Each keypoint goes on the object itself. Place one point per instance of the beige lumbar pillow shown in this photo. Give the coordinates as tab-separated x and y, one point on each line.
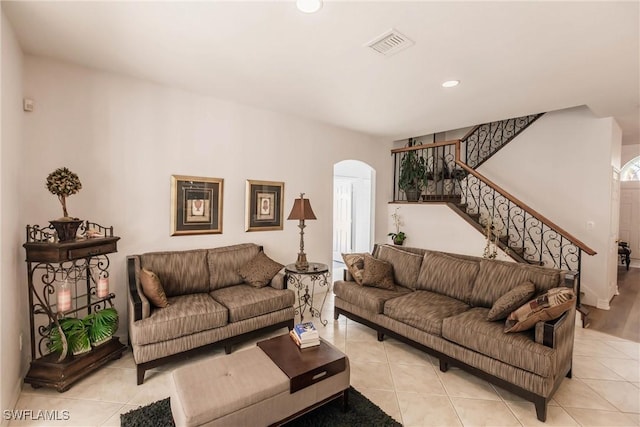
511	300
260	270
355	265
152	288
547	306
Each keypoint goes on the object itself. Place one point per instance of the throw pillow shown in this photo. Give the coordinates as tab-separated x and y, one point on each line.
152	288
355	265
511	300
260	270
377	273
547	306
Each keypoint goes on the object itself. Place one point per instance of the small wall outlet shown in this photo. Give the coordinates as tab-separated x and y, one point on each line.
27	104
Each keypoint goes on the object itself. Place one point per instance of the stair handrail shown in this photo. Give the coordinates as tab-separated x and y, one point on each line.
574	240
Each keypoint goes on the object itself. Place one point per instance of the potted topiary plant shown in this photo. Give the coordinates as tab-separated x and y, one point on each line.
413	172
64	183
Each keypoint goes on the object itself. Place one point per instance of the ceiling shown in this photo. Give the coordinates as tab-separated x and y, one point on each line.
512	58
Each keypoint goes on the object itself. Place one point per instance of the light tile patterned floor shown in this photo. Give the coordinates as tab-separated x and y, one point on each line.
405	383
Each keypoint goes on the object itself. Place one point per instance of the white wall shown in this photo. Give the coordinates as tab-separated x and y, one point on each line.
125	137
562	167
437	227
13	290
629	152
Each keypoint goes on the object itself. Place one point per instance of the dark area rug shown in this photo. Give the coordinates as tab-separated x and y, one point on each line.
362	412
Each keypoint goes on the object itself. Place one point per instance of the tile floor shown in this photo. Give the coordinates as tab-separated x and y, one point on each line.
407	384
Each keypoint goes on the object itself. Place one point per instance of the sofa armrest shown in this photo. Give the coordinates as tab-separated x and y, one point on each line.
139	306
279	281
552	333
571	280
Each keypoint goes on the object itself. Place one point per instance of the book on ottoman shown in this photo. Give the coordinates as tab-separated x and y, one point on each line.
305	335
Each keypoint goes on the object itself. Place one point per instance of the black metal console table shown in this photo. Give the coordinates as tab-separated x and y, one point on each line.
316	275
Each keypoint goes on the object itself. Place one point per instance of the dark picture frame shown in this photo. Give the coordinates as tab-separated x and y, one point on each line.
264	205
196	205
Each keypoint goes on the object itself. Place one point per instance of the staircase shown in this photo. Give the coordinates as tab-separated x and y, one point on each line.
451	177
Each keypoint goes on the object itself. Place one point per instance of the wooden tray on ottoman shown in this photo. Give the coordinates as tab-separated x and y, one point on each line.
304	367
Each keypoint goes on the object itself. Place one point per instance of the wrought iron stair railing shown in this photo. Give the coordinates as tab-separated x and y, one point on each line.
484	140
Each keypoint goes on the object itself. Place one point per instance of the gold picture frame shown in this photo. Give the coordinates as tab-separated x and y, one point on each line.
264	205
196	205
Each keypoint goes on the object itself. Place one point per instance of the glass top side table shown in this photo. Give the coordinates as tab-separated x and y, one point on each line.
304	282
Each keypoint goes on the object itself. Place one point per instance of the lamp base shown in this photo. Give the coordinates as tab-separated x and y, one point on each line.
301	263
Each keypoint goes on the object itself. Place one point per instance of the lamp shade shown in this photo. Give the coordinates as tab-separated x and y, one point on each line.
301	209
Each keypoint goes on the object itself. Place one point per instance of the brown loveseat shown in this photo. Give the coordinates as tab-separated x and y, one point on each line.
440	305
209	303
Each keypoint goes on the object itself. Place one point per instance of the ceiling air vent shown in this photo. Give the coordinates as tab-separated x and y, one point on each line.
390	42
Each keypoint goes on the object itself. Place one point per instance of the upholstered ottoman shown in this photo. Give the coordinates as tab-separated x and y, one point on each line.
245	388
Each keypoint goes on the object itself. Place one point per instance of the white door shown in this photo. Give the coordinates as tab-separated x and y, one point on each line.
630	216
342	207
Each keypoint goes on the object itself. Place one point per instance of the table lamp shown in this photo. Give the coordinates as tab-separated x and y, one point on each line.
301	211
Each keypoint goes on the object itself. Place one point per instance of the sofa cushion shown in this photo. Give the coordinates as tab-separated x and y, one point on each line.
496	278
185	315
245	301
225	262
260	270
424	310
447	275
406	265
511	300
180	272
472	330
377	273
547	306
152	288
355	266
370	299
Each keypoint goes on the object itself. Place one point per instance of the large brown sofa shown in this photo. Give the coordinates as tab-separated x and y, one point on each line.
440	305
209	303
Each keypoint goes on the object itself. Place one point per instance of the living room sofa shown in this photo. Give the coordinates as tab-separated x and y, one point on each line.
209	303
440	304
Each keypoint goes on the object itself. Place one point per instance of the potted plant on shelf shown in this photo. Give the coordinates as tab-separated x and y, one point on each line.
64	183
79	335
398	237
413	172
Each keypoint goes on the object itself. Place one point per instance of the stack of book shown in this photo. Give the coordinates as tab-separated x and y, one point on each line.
305	335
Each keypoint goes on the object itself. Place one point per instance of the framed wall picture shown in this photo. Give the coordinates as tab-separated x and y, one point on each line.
264	205
196	205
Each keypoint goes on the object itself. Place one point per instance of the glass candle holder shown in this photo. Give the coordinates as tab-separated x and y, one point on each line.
63	297
102	287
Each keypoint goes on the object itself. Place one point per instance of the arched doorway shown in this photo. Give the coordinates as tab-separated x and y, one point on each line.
353	202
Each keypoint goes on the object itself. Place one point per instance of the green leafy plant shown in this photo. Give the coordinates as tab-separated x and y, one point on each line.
75	333
101	325
63	183
80	334
413	173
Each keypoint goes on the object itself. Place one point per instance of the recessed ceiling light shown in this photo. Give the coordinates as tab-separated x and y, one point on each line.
309	6
451	83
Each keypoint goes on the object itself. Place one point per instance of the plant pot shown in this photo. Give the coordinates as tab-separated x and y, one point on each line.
398	242
412	194
66	228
